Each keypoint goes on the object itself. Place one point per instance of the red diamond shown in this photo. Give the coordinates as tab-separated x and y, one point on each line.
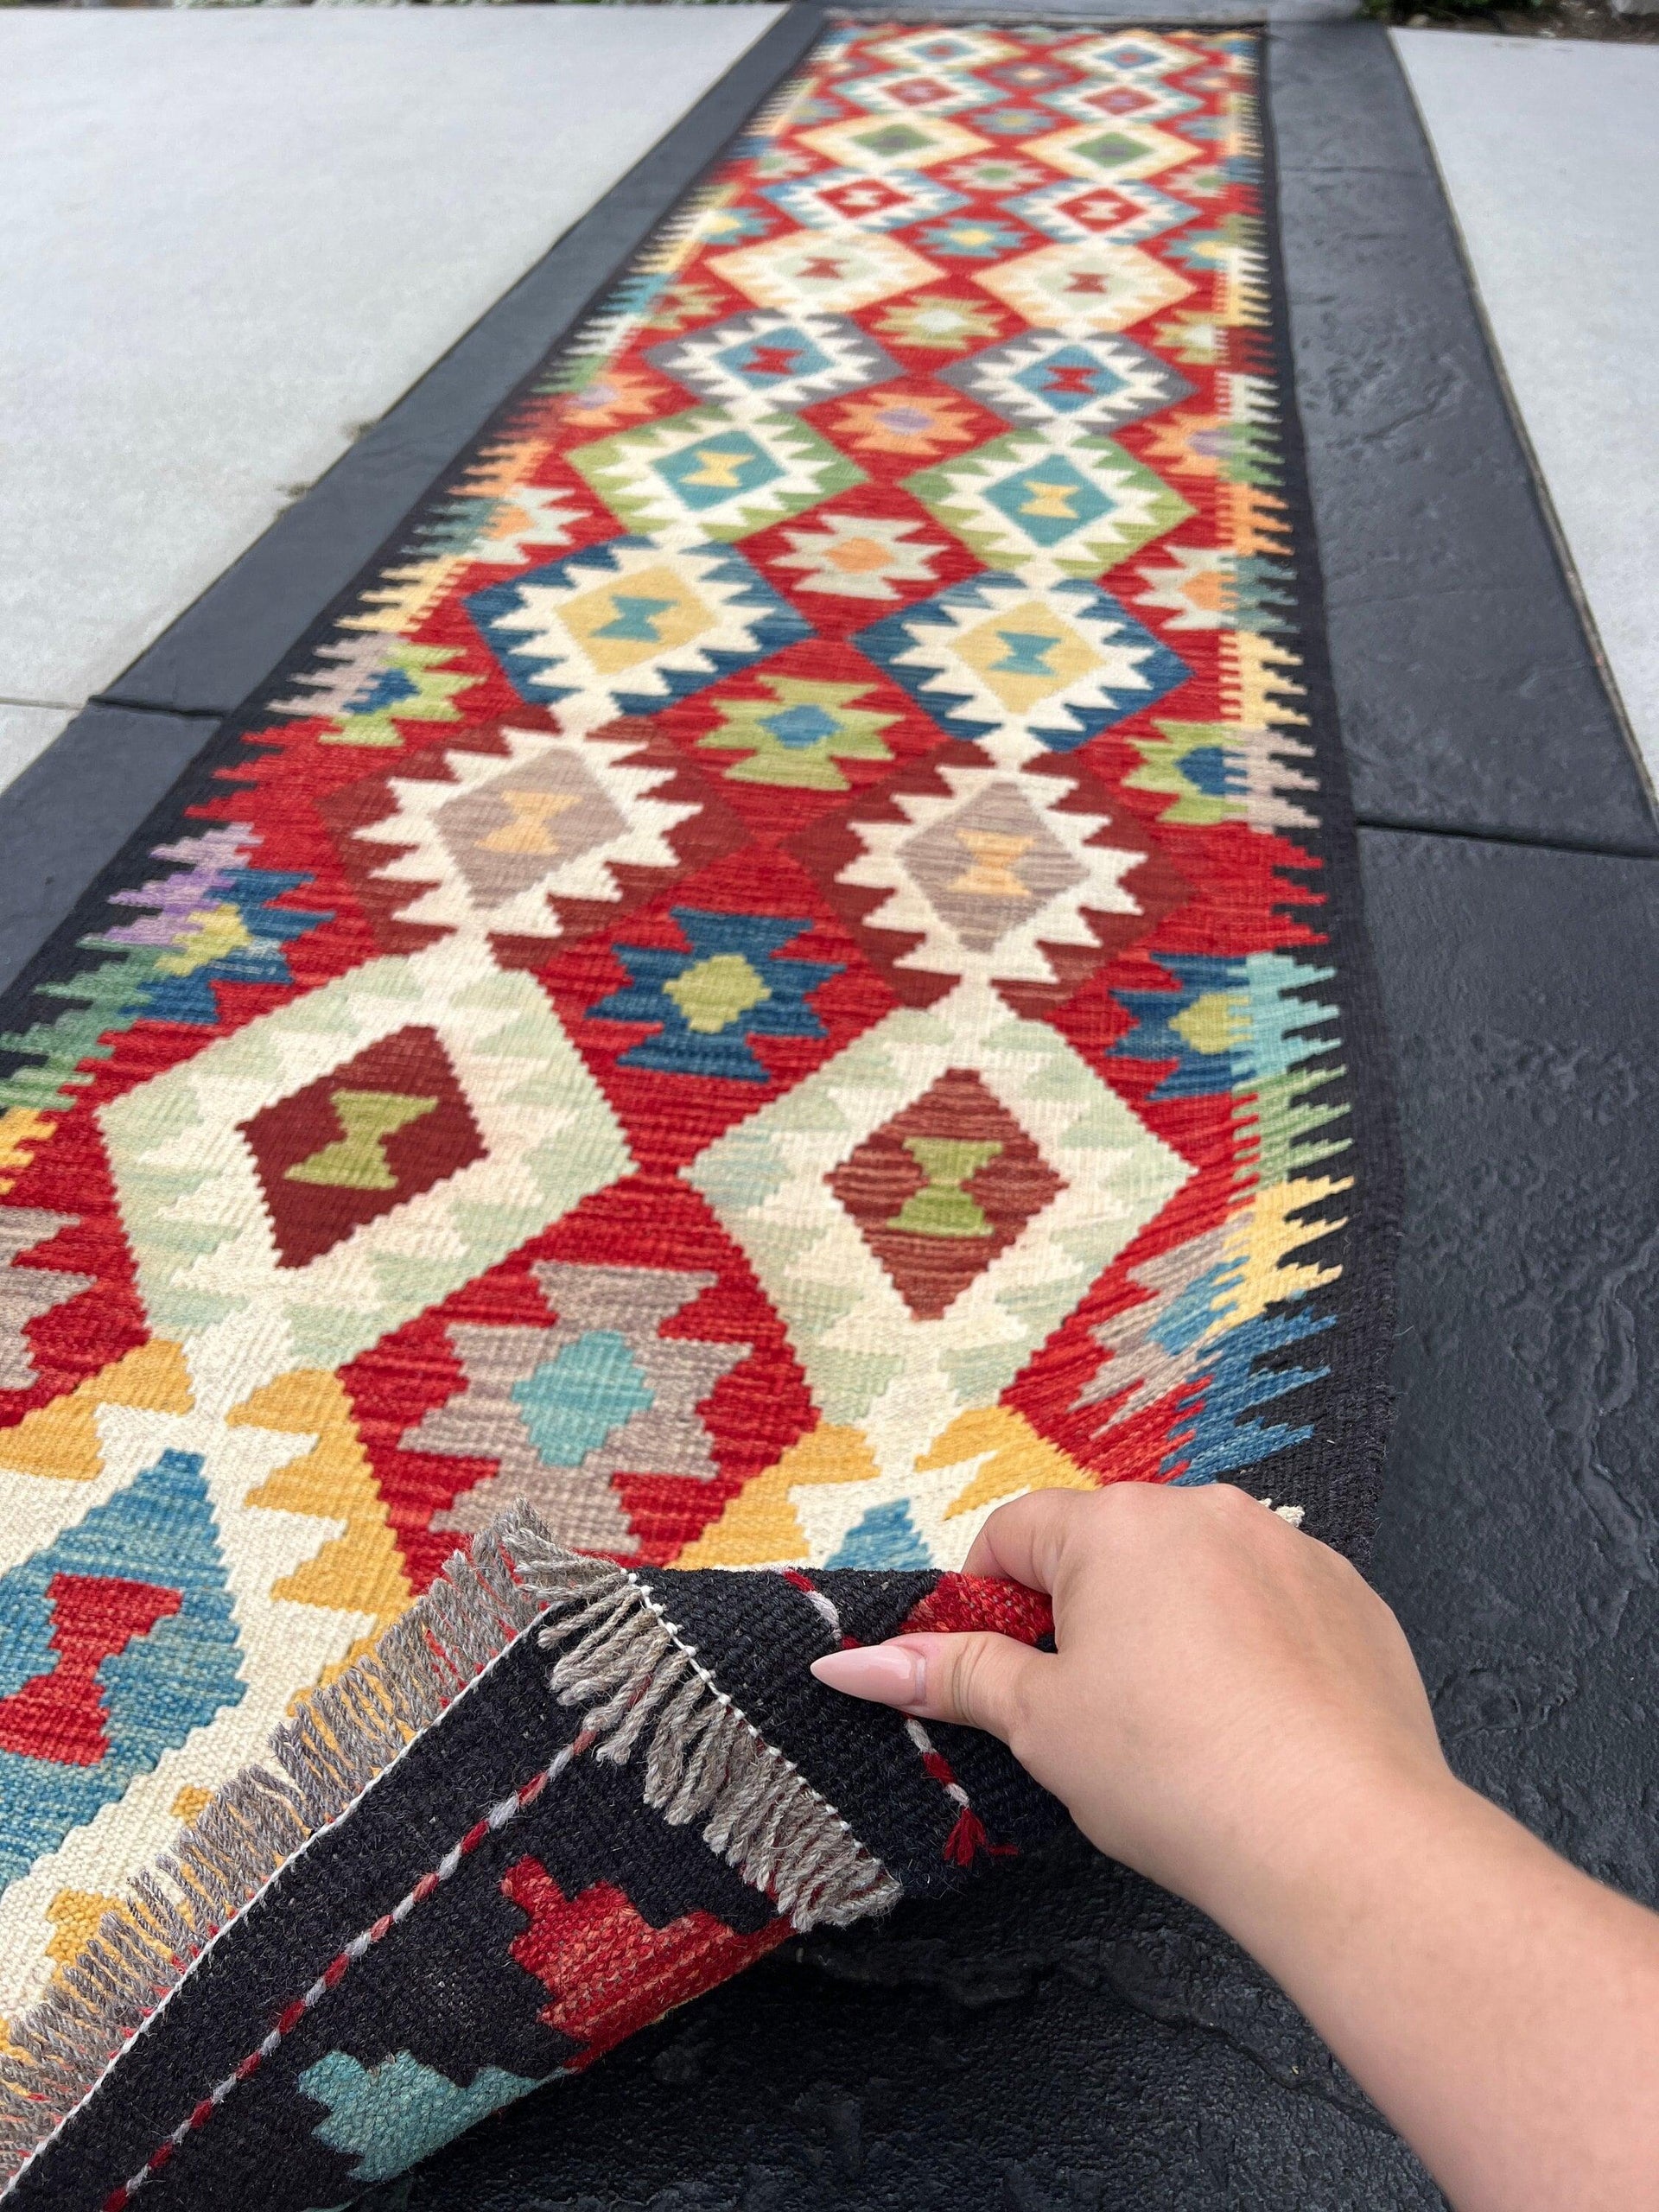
369	1136
943	1188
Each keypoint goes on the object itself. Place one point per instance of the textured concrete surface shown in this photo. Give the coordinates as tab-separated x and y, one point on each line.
1569	131
1471	697
25	731
235	236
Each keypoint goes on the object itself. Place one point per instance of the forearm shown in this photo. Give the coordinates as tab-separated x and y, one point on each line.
1500	2007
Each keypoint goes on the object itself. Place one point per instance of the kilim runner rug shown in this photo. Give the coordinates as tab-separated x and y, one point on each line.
787	967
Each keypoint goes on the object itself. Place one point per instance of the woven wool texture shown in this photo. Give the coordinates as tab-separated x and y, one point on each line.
786	968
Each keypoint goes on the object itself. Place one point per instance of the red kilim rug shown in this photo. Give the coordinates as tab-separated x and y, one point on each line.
786	968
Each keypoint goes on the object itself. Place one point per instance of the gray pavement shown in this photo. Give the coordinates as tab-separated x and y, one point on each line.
1549	151
233	239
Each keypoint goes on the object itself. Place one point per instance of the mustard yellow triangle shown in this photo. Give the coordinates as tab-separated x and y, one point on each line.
21	1130
360	1571
75	1915
760	1527
60	1441
1014	1459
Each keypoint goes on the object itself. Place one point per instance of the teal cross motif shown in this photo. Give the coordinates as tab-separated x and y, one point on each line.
1028	654
636	619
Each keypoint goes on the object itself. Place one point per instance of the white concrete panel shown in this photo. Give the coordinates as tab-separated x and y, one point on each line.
1550	153
231	237
25	731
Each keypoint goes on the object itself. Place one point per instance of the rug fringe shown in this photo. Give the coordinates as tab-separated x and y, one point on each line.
646	1692
315	1766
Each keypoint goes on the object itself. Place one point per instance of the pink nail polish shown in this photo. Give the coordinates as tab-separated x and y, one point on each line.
886	1674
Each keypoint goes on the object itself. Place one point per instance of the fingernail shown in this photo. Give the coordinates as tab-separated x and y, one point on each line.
886	1674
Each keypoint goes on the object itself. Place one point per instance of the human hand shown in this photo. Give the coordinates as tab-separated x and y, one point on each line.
1220	1682
1232	1712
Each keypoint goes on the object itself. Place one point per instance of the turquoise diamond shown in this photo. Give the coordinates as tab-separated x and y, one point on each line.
710	471
1049	500
581	1396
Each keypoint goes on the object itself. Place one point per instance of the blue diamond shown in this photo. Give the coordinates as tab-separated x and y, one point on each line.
800	727
1069	379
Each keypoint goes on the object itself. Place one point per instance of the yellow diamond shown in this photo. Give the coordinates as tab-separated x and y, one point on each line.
620	625
1025	654
717	992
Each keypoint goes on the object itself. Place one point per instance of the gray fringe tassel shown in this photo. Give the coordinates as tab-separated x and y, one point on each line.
316	1765
644	1691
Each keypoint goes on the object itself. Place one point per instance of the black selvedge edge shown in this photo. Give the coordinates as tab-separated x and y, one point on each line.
858	1756
1336	1474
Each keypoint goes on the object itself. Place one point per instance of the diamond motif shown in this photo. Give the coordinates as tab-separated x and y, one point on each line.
908	91
870	1357
906	420
555	821
1099	384
805	270
883	143
989	871
1145	102
943	1188
629	627
762	361
1136	55
795	738
117	1640
858	556
704	1004
859	197
706	475
965	48
993	660
373	1133
1131	213
192	1187
562	1410
1112	152
1049	503
1082	288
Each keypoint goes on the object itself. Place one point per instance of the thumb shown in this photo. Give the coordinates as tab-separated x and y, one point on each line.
980	1681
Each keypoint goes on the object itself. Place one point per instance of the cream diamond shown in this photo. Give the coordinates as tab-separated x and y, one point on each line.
869	1358
892	142
1078	289
987	873
947	45
1110	152
210	1272
832	271
484	852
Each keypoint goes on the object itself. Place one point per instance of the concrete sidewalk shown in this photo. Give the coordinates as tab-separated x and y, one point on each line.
233	239
1549	153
